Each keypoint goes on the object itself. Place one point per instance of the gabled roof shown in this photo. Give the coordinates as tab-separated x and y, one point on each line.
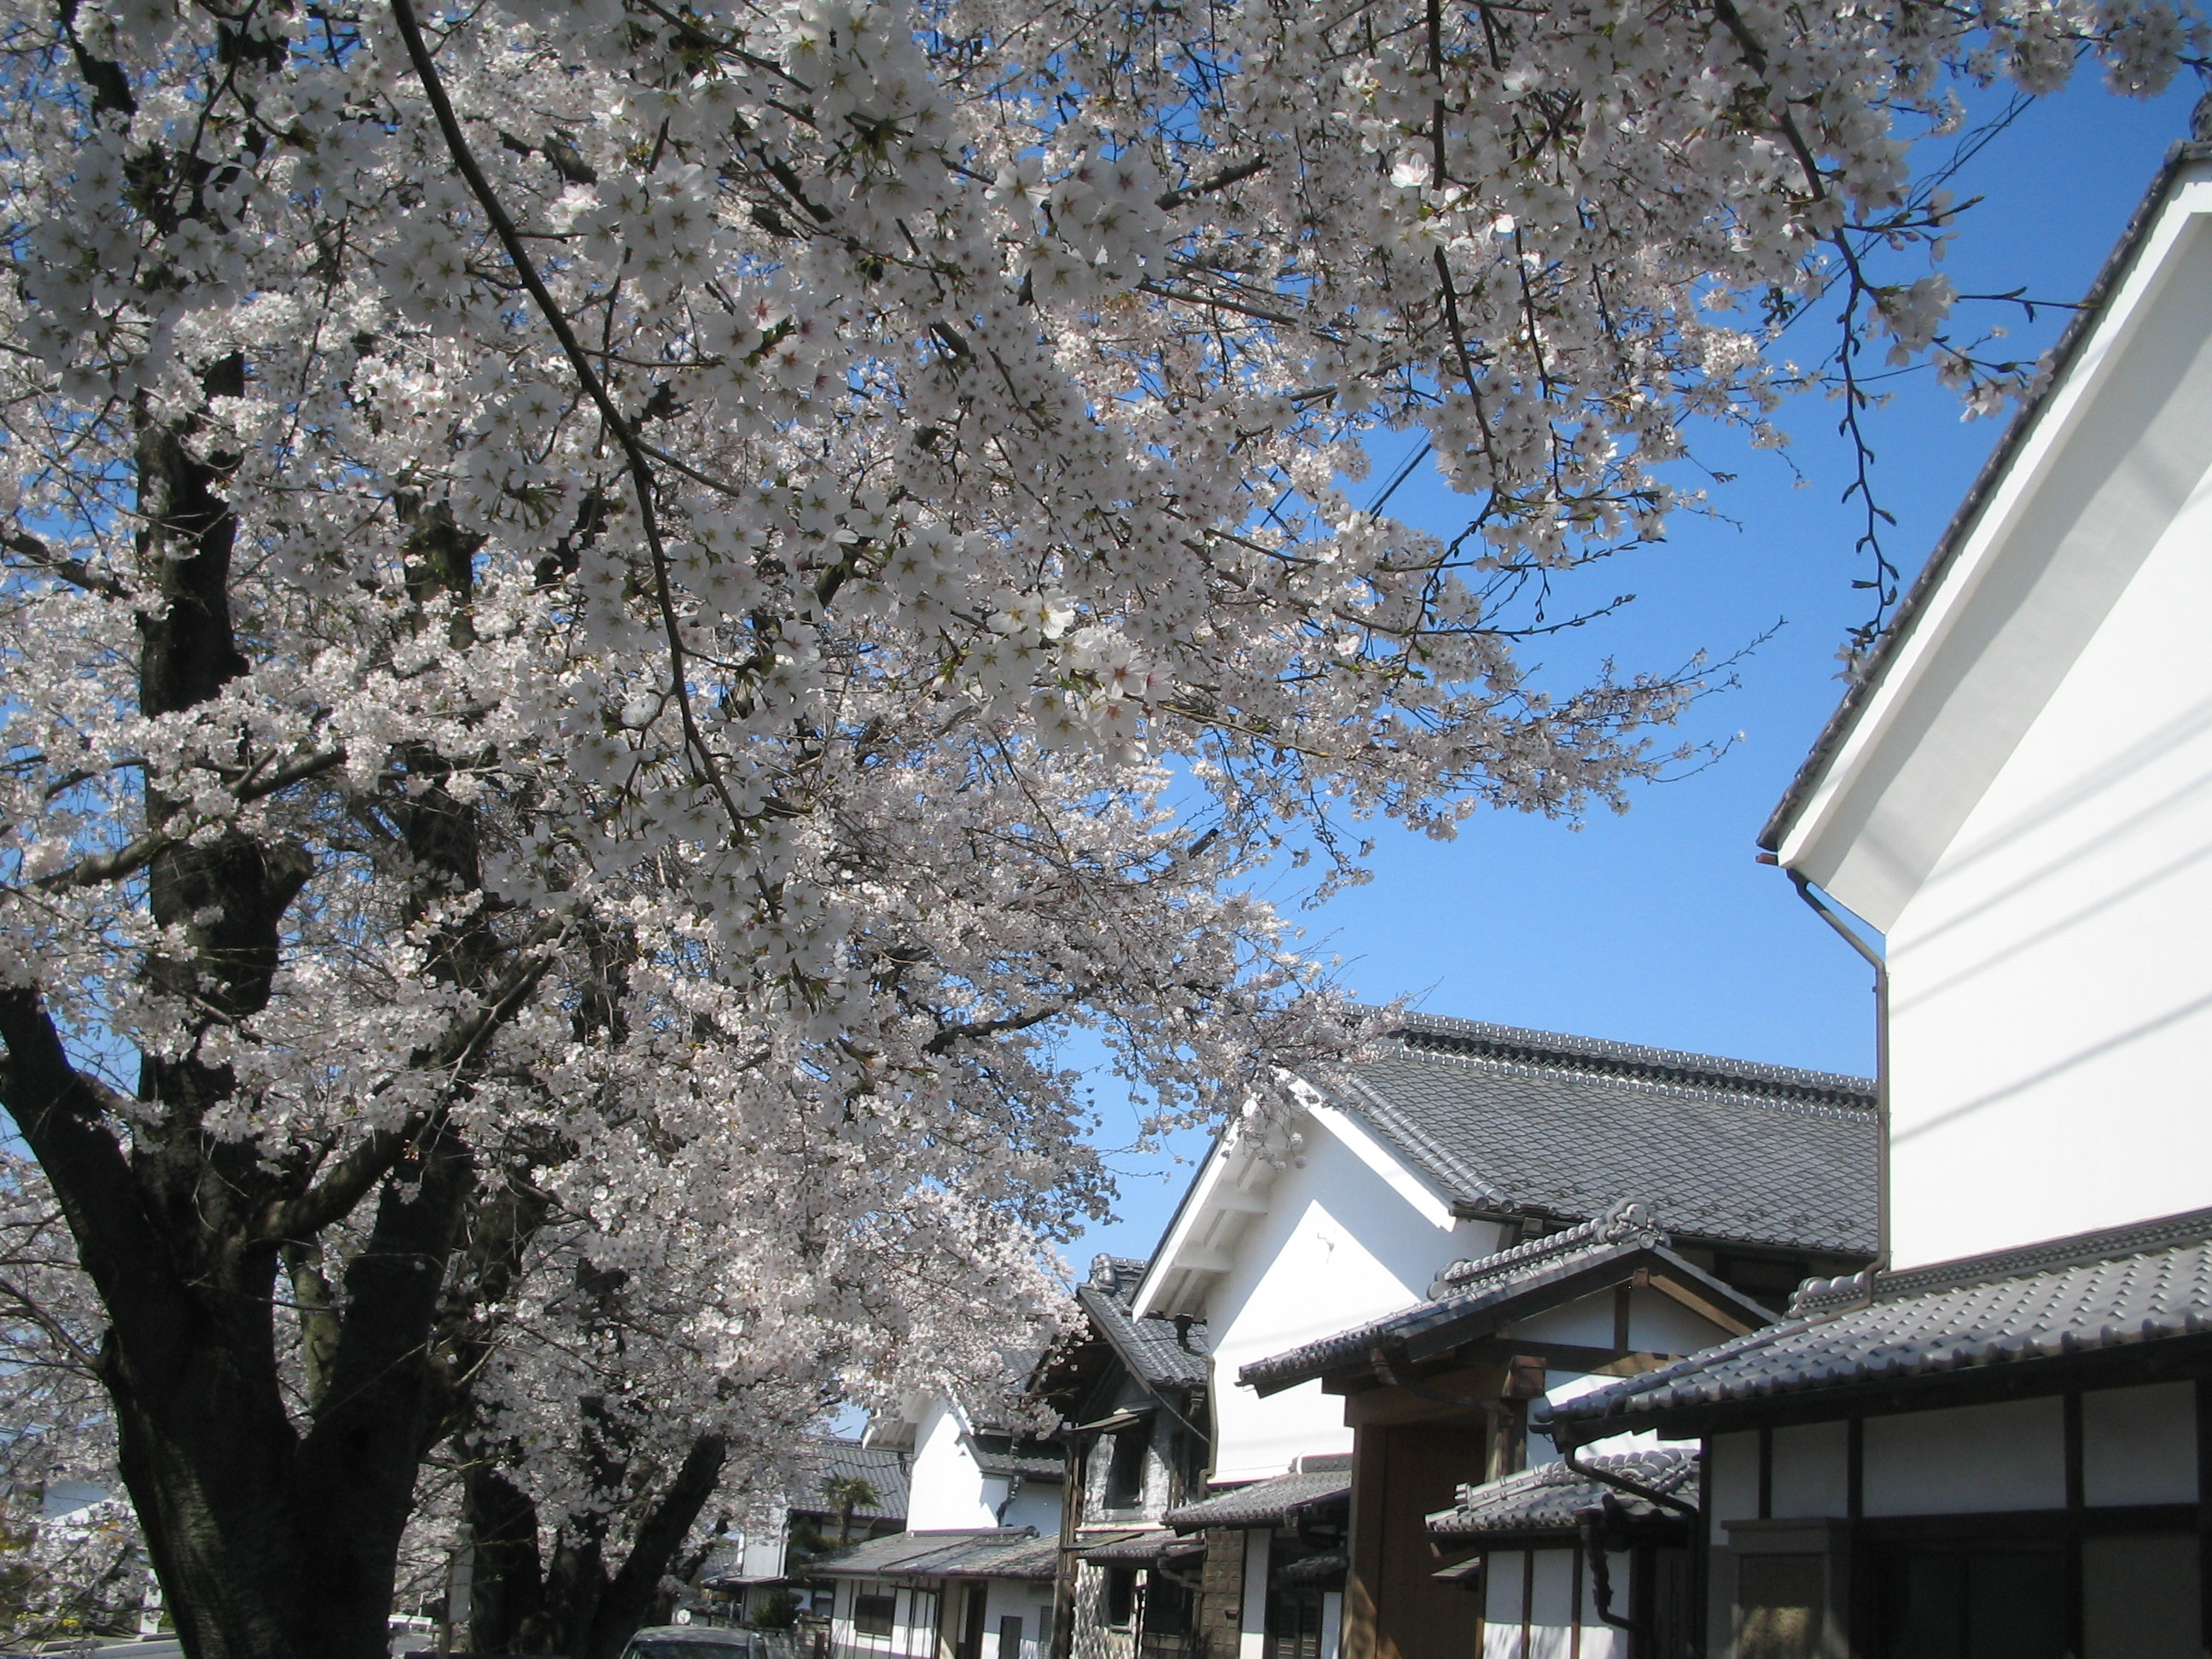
1153	1349
2064	355
2066	1298
1266	1502
1548	1498
884	1467
1472	1298
1506	1121
995	1552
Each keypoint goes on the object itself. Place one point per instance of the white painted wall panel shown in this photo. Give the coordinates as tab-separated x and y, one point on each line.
1659	1324
1587	1323
2139	1445
1551	1605
1974	1459
1339	1244
1812	1471
947	1490
1732	1475
1501	1607
2051	998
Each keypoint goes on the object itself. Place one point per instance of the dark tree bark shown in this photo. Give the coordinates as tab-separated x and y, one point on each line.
274	1539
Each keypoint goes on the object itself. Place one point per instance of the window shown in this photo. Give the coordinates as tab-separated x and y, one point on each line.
873	1615
1010	1637
1125	1470
1167	1606
1974	1604
1119	1597
1294	1622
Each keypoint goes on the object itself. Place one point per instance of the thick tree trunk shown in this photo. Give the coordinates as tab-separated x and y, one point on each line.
273	1538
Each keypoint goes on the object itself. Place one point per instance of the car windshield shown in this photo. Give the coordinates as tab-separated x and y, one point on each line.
678	1647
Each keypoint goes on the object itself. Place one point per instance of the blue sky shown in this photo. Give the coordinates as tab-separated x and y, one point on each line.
1658	927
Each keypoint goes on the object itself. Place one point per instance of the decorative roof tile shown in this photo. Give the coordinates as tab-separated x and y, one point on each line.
1548	1498
1510	1122
1265	1503
2111	1288
1475	1297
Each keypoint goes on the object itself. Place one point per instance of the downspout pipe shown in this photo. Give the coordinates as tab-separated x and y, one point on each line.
1830	911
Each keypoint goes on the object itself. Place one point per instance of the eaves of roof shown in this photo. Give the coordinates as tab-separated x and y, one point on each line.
1265	1503
2119	1296
1544	1504
1494	1290
997	1552
1916	598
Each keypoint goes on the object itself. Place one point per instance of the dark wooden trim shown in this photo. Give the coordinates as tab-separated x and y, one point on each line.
1855	1468
2070	1420
1527	1594
1766	1475
2204	1509
2030	1525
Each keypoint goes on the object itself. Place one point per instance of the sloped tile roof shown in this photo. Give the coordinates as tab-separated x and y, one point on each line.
1547	1499
1506	1121
1473	1297
1142	1549
2113	1288
1150	1347
884	1467
1264	1503
1029	1466
1002	1553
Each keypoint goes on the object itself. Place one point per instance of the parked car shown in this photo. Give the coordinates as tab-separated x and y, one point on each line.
702	1641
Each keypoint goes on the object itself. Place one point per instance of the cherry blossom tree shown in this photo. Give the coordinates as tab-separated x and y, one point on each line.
615	610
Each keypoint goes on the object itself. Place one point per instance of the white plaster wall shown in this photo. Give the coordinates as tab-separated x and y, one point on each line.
947	1490
2139	1445
1551	1605
1732	1481
1339	1244
1973	1459
1332	1622
1036	1504
2050	995
1812	1474
1502	1589
1252	1630
1023	1599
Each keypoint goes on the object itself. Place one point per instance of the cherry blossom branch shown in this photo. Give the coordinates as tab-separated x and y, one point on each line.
641	468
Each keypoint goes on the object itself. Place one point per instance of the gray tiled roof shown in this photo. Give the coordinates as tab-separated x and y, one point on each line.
1547	1499
884	1467
1150	1347
2116	1287
1507	1121
1002	1553
1473	1298
1141	1549
1029	1466
1264	1503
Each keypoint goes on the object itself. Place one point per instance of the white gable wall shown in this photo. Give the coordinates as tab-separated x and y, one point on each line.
947	1491
2050	982
2024	806
1349	1234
